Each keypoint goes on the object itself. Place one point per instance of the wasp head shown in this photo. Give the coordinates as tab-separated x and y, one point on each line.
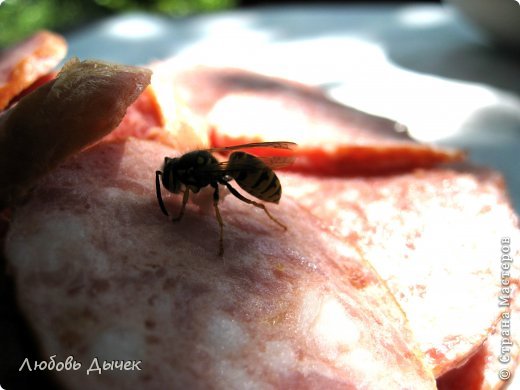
170	178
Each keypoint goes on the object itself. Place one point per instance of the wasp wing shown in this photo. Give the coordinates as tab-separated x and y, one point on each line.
273	162
276	144
224	167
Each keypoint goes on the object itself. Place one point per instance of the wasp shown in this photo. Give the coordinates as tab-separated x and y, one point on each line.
200	168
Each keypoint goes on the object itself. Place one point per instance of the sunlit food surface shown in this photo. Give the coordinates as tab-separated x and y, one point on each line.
416	64
480	99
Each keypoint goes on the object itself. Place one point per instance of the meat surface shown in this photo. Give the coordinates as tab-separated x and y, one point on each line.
490	367
84	103
333	139
111	278
28	61
434	236
143	120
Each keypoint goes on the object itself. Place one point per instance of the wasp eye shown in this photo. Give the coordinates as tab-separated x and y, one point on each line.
169	163
170	180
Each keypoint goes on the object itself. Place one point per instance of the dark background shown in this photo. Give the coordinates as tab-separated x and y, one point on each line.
245	3
24	17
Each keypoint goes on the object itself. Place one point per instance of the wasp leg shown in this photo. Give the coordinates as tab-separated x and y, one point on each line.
184	201
219	219
158	191
249	201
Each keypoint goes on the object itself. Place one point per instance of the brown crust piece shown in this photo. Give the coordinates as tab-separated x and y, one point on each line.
84	103
26	62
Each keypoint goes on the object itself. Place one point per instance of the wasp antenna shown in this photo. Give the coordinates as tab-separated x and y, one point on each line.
158	191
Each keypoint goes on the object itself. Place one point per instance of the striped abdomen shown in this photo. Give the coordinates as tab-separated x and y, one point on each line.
254	177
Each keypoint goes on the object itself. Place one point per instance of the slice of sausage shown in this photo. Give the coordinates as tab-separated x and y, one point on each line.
333	139
27	62
143	119
102	273
434	236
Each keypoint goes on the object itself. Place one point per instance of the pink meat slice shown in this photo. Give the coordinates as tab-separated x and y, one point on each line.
27	62
333	139
143	119
101	273
434	236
